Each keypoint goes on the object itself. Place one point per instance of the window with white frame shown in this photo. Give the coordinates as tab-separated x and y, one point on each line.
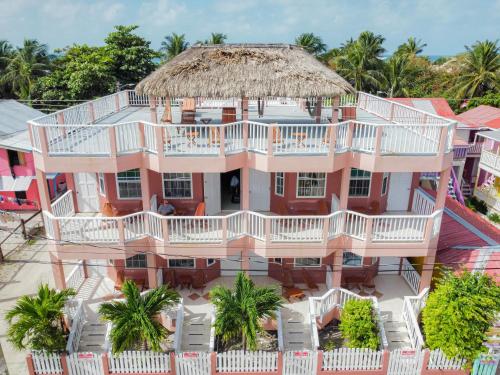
307	262
181	263
359	185
352	260
210	262
385	183
311	185
279	183
129	184
137	261
102	185
177	185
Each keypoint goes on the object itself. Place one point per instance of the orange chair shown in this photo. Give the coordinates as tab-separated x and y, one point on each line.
200	209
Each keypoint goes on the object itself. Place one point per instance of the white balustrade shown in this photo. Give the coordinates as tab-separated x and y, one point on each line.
194	229
398	228
355	225
336	224
296	228
490	160
82	140
179	324
235	225
411	275
363	137
63	206
128	137
247	361
80	229
139	362
76	328
193	139
301	138
150	137
256	225
134	226
352	359
155	226
422	204
411	310
76	277
233	135
257	136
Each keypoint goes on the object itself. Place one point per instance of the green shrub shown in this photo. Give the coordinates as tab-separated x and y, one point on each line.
476	205
494	217
459	312
358	324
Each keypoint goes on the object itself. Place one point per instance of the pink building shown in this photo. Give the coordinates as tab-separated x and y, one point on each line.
324	189
18	188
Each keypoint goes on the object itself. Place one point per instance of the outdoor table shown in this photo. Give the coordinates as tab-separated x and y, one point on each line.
294	294
300	138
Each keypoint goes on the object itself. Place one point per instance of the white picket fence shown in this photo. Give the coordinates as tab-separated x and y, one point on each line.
47	363
139	362
241	361
300	362
193	363
345	359
405	362
439	361
85	363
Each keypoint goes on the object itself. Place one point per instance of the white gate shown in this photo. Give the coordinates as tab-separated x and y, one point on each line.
399	191
405	362
211	193
192	363
86	192
260	190
300	363
85	364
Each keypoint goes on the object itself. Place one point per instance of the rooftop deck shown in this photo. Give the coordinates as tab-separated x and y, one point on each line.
121	127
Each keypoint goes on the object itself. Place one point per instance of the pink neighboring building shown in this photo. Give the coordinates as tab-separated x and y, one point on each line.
18	188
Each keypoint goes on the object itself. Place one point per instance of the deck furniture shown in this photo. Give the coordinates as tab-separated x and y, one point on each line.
200	209
359	275
307	207
308	280
293	294
300	138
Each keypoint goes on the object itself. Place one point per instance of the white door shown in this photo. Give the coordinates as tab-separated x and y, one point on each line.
230	266
86	192
389	265
399	191
211	188
335	203
258	264
260	190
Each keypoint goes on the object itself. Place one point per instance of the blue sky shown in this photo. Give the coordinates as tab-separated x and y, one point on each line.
445	25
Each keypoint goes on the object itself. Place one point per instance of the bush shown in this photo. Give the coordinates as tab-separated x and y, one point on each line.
358	325
494	217
459	312
477	205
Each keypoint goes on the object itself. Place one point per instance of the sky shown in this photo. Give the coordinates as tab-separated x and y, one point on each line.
445	25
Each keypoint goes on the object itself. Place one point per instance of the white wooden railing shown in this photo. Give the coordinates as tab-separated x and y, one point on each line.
179	323
63	206
76	277
491	160
422	204
247	361
439	361
347	359
47	363
77	324
411	275
219	229
279	329
211	342
411	310
139	362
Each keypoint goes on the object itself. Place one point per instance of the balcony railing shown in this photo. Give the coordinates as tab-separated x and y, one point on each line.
491	160
73	132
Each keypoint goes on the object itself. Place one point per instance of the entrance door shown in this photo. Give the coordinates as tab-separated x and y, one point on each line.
399	191
258	264
260	190
86	192
211	188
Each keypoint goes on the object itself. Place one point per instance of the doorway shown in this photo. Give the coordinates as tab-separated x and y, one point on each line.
230	183
399	191
86	192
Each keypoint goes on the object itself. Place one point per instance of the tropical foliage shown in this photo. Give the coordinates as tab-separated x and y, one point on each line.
459	312
173	45
358	324
37	323
134	320
215	38
239	311
311	43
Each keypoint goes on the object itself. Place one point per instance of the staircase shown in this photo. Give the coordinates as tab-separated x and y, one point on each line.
397	334
196	331
466	189
93	338
296	327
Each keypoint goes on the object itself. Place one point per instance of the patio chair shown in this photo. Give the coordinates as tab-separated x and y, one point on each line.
308	280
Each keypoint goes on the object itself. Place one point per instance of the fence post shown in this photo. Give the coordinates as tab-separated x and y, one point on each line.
319	365
213	363
425	361
105	363
385	361
64	364
280	364
172	364
30	365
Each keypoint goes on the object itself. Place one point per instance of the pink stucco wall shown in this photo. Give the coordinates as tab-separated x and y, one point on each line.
20	170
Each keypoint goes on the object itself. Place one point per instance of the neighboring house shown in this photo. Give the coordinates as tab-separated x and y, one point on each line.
18	188
488	182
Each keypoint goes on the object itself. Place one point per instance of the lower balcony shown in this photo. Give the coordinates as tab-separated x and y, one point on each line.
268	234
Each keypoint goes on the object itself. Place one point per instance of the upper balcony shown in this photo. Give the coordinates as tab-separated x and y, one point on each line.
270	235
115	133
490	153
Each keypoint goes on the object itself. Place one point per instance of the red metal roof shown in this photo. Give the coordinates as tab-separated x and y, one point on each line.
440	105
480	117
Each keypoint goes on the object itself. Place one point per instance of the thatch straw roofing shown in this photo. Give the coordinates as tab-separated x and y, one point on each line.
236	70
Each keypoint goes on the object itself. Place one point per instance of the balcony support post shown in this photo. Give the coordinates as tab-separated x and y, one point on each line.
443	140
349	135
165	231
427	270
152	270
317	109
335	109
267	231
245	188
270	138
112	142
244	118
91	112
146	189
117	102
326	227
44	144
159	142
121	232
58	272
43	189
369	230
338	257
378	140
332	141
224	231
222	140
344	188
142	136
152	109
442	190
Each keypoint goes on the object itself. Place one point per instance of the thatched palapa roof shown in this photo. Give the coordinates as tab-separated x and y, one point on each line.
237	70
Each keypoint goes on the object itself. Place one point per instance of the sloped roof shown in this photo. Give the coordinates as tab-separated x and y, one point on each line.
483	116
236	70
13	124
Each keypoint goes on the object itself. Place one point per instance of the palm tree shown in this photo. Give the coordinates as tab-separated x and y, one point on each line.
311	43
412	46
398	76
6	51
134	320
215	38
480	72
24	66
37	323
173	45
239	311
